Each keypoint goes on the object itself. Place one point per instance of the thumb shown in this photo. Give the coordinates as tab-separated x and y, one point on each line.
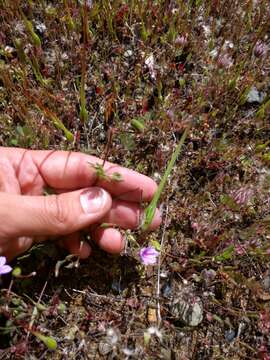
52	215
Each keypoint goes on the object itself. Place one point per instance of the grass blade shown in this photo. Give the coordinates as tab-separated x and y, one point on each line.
151	208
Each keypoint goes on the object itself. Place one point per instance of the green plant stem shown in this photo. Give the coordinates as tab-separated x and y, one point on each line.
151	208
56	121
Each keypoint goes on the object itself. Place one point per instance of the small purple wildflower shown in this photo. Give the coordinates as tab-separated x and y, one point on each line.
170	114
260	49
240	249
181	40
264	322
4	269
225	60
149	255
208	276
243	195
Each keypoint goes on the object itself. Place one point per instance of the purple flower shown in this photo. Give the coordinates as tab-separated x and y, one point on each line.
148	255
242	195
225	60
181	40
4	269
260	49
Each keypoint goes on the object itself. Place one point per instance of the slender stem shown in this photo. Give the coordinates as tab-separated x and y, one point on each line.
151	208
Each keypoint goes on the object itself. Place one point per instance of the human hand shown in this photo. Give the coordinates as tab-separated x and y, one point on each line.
81	201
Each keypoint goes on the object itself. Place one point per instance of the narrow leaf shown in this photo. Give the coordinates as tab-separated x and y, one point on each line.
151	208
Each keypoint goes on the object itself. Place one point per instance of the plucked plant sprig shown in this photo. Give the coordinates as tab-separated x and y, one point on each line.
101	174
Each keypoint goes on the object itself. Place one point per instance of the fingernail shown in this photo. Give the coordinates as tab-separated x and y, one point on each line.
93	200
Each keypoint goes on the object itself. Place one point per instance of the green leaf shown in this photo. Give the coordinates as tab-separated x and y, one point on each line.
243	97
116	177
49	341
61	308
156	245
144	33
83	114
100	172
226	255
228	201
146	338
105	225
266	157
16	271
217	318
138	124
151	208
59	125
261	111
261	147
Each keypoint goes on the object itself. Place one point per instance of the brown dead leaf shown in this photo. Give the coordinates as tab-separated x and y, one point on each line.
257	291
152	315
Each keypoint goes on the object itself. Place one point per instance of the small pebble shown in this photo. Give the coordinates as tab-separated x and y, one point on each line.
166	290
188	308
229	335
104	348
255	96
266	283
128	53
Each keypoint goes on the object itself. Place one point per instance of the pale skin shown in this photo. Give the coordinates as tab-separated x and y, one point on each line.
27	216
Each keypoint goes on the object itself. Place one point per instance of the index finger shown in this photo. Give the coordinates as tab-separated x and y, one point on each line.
73	170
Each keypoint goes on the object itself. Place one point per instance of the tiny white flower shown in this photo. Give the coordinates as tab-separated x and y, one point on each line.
228	44
153	330
128	53
112	336
213	53
150	63
207	30
41	27
128	352
89	3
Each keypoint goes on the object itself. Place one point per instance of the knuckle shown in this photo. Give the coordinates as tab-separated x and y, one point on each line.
56	213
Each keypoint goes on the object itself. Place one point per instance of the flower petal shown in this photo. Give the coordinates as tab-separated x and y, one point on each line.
5	269
149	255
149	260
3	260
